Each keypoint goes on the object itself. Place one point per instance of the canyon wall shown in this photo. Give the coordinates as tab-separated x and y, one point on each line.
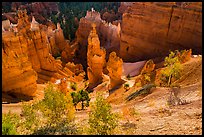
18	76
151	29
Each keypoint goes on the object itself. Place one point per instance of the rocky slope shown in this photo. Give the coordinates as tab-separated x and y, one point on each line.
151	29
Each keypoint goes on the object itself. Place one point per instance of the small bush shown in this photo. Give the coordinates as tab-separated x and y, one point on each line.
138	84
84	97
73	86
172	70
52	115
30	118
9	123
75	98
101	120
80	96
126	87
128	76
147	78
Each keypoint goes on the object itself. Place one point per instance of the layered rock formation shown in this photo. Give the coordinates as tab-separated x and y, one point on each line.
151	29
147	74
70	71
124	6
40	10
59	46
95	59
114	67
39	50
109	35
18	76
57	40
23	24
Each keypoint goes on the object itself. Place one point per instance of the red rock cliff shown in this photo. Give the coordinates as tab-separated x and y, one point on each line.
18	76
151	29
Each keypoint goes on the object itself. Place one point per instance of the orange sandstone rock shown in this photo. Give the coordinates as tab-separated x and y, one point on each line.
114	67
148	67
147	74
151	29
95	58
109	34
185	55
18	76
25	51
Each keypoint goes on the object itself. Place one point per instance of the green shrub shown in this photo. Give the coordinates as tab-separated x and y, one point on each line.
126	86
52	115
138	84
101	120
75	98
73	86
147	78
84	97
9	123
172	70
30	118
81	96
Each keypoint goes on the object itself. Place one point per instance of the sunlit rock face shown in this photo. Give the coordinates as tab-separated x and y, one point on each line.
115	69
18	76
34	38
59	45
151	29
95	58
109	34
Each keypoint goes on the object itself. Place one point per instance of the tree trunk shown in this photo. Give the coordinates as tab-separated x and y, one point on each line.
169	81
82	105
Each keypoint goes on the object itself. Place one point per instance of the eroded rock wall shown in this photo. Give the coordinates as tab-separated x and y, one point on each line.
151	29
18	76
